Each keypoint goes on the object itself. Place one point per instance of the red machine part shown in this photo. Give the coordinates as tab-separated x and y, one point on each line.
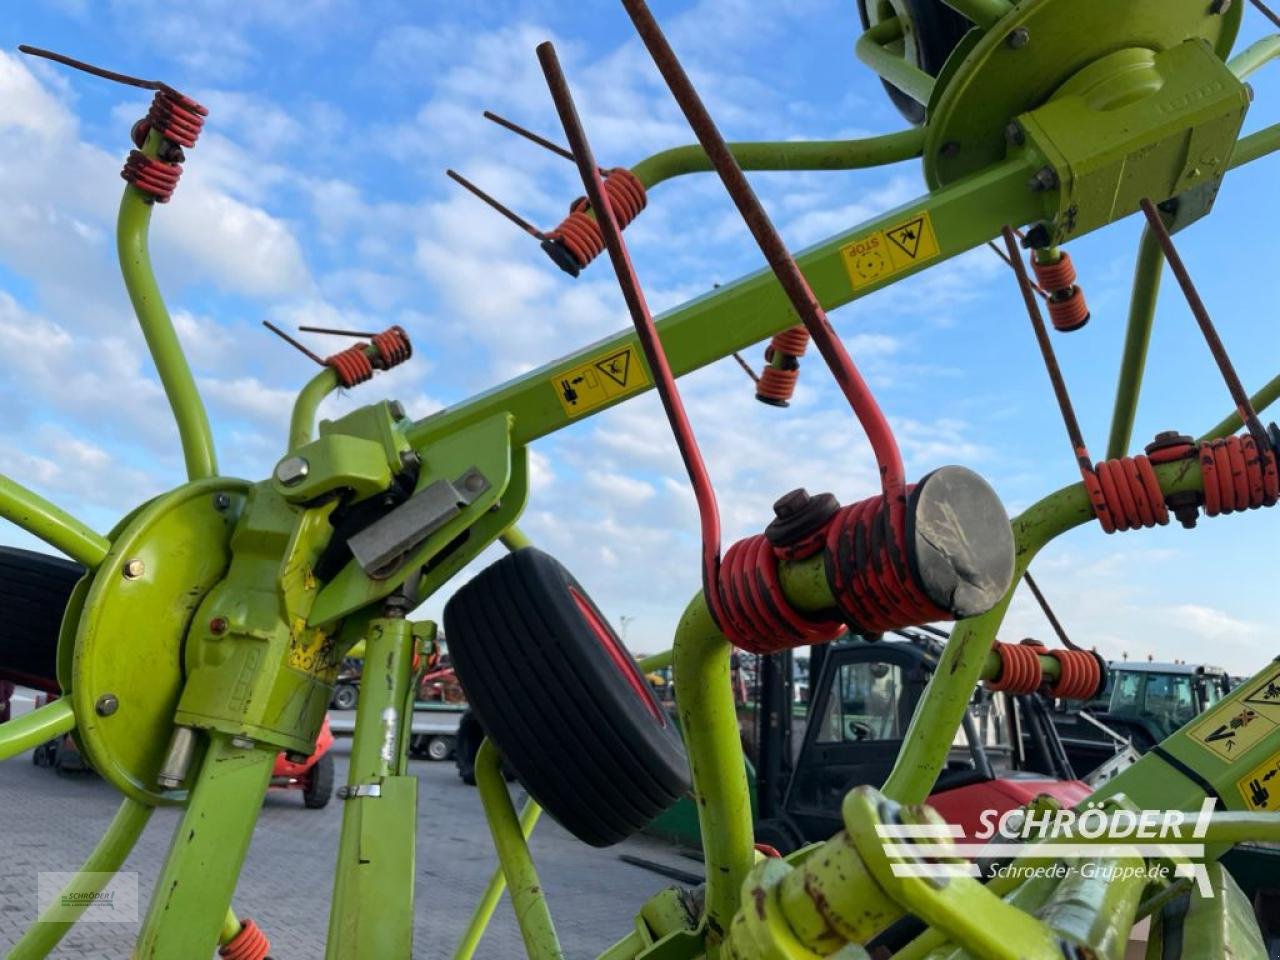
777	383
1067	308
579	232
249	944
1082	674
354	365
178	119
965	806
1237	475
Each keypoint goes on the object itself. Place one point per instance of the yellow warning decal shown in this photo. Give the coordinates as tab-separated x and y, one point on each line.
600	380
1260	787
1232	729
312	652
882	254
1265	698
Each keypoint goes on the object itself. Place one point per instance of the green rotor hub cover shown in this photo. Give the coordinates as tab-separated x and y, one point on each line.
998	80
130	621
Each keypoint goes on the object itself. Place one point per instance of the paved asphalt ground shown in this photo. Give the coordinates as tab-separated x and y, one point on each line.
51	822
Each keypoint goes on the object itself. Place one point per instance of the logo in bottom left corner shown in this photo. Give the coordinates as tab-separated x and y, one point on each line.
87	897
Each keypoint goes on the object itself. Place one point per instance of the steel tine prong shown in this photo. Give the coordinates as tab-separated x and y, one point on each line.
292	342
511	215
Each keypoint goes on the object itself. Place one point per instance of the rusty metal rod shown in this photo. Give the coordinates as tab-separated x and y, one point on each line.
1046	351
1005	257
511	215
1238	393
664	380
746	366
1266	11
338	333
292	342
1048	612
793	282
90	68
541	141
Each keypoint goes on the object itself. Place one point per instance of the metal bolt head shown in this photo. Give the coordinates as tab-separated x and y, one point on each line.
1014	133
221	501
1037	237
474	483
292	470
107	705
133	569
789	504
242	743
218	626
1045	179
397	410
1019	38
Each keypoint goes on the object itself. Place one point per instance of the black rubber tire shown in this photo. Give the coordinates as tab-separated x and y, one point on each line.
589	741
319	788
345	696
779	833
34	590
938	29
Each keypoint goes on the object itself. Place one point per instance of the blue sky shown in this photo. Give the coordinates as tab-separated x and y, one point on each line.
317	194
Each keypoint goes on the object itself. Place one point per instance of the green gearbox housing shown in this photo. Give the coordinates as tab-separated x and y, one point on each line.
1136	124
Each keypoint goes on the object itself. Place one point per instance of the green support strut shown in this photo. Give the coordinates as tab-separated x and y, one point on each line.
194	888
112	850
527	896
175	374
372	911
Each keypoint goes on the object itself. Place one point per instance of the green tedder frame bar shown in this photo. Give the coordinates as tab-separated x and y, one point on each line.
211	686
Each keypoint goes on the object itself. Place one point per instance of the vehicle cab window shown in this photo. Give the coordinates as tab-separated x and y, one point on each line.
863	704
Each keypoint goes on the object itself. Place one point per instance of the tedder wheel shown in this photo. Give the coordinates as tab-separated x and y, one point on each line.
562	699
34	590
345	697
779	833
319	786
935	30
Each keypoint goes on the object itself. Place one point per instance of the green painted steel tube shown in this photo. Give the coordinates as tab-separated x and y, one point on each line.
53	525
361	916
162	340
941	708
193	891
890	65
1260	400
513	538
1256	56
107	857
984	13
748	310
1095	907
1137	339
787	155
704	697
528	899
230	928
38	726
658	661
493	892
1256	145
303	422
